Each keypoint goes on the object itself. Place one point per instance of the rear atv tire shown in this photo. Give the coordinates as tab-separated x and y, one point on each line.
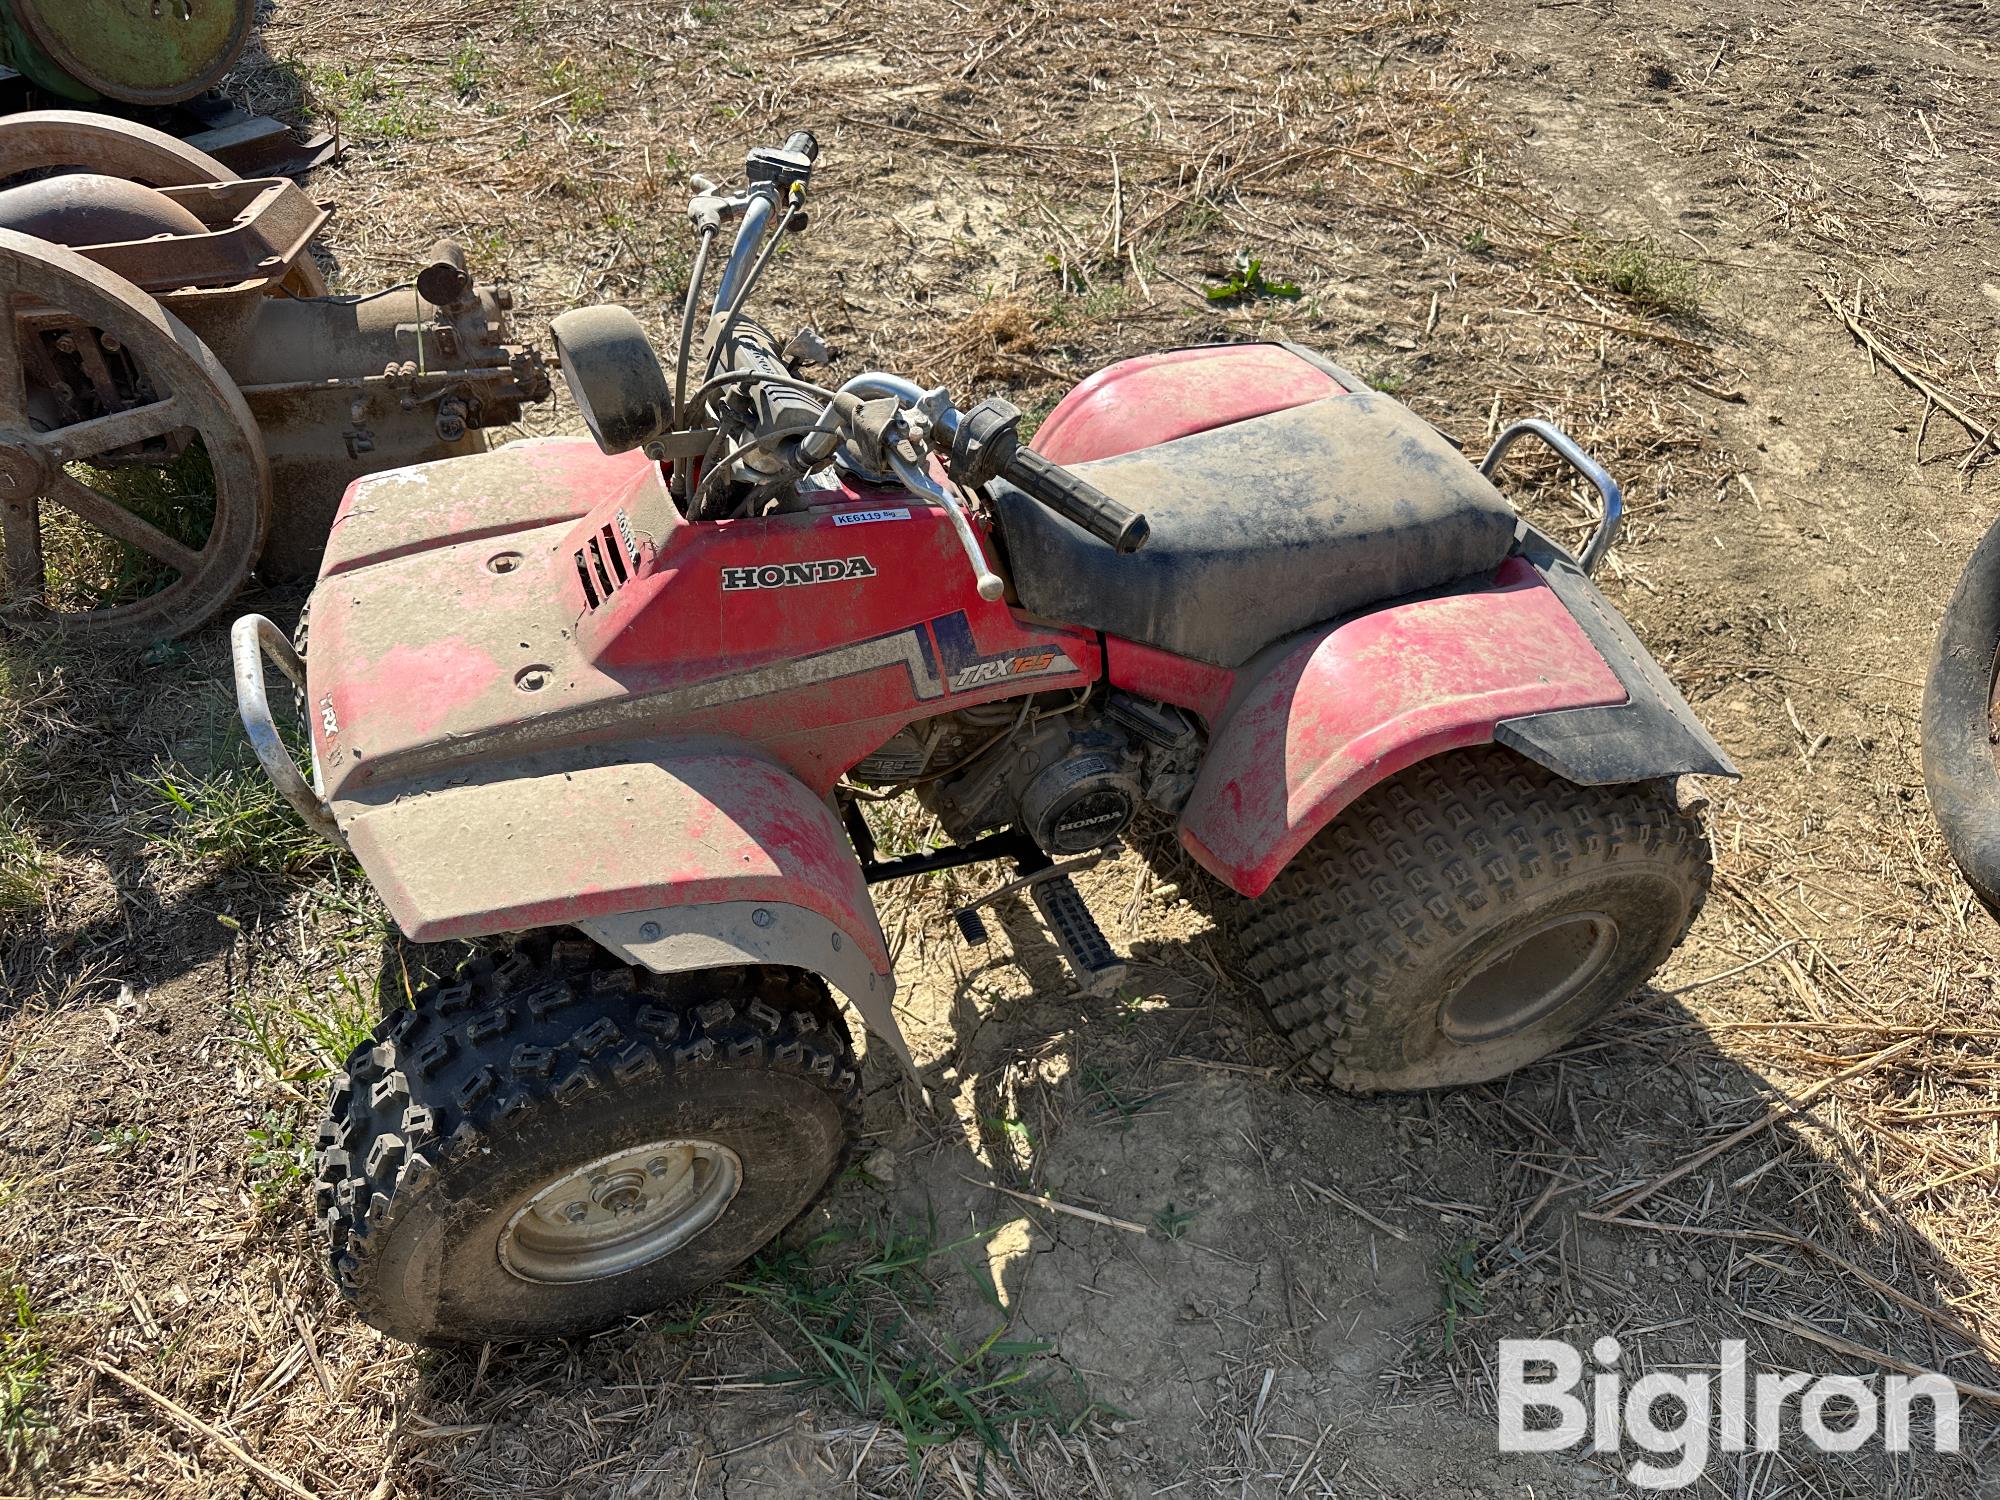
559	1141
1469	916
1961	768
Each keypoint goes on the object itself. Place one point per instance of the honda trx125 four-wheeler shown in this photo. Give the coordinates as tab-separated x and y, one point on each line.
627	700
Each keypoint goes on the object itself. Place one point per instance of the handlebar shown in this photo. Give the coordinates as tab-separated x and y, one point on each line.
1076	499
986	444
979	445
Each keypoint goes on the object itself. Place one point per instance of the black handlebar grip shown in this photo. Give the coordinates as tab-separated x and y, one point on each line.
803	143
1117	526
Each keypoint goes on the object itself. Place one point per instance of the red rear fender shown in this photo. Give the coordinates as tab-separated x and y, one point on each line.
1537	661
1137	403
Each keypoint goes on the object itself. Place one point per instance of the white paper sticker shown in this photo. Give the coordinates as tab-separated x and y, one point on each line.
863	517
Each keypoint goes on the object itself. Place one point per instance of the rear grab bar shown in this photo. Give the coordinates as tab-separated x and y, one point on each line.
251	640
1592	471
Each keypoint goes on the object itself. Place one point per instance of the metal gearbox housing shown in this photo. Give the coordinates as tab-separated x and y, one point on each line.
190	261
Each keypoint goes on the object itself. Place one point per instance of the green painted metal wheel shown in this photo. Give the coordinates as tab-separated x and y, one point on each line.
133	51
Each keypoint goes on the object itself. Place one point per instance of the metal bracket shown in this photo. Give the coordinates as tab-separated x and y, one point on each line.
1592	471
1029	877
251	640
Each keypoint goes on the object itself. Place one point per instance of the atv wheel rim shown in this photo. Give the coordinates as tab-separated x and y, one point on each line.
621	1211
1535	975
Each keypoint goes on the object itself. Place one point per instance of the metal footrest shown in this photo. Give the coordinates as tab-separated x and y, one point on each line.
1092	960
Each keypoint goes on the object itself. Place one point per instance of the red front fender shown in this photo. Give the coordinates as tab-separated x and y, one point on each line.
665	824
1353	704
674	854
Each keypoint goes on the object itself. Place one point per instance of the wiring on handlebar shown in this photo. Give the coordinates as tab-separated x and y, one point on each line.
695	279
747	377
719	473
756	270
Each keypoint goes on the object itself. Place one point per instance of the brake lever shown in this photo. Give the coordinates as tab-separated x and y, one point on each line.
991	586
925	415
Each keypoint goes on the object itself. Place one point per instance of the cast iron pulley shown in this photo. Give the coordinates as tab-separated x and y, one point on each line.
97	380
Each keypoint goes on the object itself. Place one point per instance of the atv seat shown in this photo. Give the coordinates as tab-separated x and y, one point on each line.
1262	528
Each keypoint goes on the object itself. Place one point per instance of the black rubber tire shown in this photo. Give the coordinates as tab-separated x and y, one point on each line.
1960	771
1363	937
553	1057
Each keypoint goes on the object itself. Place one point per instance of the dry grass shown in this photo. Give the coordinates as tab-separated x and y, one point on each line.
1011	195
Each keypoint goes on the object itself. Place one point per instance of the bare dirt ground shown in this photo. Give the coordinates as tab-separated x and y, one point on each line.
1613	214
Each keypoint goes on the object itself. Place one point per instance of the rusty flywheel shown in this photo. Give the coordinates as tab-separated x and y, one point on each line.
74	140
99	384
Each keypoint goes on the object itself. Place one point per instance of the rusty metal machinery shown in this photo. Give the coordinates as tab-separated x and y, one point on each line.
167	339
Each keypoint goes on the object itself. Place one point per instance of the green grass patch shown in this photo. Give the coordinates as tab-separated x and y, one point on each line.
1106	1102
1071	309
468	66
1199	217
1644	273
1247	281
27	870
119	1140
368	105
213	805
88	570
232	818
1035	411
1459	1271
587	96
24	1366
297	1042
281	1159
853	1322
901	825
1004	1130
305	1038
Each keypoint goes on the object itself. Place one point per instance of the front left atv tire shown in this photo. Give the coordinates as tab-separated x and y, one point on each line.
558	1141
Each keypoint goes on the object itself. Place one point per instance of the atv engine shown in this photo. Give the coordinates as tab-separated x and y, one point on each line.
1070	772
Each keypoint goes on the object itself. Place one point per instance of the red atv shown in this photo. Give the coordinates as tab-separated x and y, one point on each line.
629	698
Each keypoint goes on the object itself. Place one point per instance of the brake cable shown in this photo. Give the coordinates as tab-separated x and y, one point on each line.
721	470
764	254
695	279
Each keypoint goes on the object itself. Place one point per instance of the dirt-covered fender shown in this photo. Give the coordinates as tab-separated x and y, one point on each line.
1536	660
1156	398
675	855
